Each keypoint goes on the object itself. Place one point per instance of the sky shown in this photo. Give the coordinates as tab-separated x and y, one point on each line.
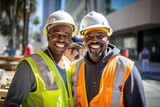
39	9
38	14
118	4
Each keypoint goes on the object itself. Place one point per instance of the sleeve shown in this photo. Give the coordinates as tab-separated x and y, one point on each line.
134	95
23	82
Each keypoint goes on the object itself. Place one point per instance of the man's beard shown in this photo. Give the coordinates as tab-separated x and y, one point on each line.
94	54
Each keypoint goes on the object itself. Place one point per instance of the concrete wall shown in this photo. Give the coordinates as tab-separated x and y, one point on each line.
142	14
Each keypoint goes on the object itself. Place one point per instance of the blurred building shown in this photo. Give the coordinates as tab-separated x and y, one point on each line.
79	8
137	25
50	6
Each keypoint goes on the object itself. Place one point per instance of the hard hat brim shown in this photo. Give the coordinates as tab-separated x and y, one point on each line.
73	27
110	31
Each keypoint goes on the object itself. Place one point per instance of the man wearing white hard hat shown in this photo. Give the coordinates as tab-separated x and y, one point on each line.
41	79
104	78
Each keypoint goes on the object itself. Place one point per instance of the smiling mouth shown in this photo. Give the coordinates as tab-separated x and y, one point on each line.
60	45
95	46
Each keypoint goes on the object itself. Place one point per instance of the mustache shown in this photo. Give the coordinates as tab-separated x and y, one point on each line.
94	43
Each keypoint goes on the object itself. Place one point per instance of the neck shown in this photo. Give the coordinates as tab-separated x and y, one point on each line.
95	60
57	58
54	56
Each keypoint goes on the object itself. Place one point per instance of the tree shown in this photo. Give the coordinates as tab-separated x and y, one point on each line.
37	33
36	21
11	12
8	7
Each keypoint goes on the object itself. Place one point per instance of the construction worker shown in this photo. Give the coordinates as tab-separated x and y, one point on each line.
28	50
125	52
41	79
72	52
77	39
104	78
145	57
76	50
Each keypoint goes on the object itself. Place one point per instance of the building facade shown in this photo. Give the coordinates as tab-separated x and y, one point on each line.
136	26
79	8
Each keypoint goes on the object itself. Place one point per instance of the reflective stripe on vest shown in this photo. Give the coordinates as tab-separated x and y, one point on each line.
51	90
111	87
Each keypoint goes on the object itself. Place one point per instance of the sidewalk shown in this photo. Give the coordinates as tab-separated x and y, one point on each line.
153	74
153	67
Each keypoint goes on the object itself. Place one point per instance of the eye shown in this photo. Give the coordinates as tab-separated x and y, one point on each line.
88	36
55	35
101	36
67	36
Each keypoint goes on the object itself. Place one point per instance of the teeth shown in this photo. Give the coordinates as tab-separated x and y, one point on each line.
95	46
60	45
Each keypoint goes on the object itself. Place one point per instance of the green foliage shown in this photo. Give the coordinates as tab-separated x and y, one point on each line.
36	21
11	14
7	12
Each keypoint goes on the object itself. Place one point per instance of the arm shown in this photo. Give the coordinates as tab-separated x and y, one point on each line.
22	83
134	95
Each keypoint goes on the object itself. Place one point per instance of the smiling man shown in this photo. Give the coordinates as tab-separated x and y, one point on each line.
104	78
41	79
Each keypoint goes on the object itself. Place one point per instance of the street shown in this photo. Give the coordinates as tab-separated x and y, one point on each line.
152	89
151	81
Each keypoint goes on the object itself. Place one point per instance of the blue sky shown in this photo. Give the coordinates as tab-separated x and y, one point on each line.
39	9
118	4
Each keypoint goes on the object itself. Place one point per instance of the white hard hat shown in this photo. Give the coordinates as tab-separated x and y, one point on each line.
60	18
94	20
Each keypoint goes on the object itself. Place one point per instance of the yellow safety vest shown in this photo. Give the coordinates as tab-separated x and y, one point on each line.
110	92
42	97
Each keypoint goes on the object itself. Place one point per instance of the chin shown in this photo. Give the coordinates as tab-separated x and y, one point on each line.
95	54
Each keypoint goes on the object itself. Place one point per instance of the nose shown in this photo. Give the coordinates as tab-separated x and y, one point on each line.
61	37
94	38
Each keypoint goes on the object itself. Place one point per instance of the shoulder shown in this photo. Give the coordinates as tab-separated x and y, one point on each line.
124	60
76	65
24	69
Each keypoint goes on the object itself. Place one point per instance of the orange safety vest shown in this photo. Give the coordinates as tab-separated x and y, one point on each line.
111	85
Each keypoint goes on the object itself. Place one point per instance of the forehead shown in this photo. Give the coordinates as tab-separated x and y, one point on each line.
60	28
